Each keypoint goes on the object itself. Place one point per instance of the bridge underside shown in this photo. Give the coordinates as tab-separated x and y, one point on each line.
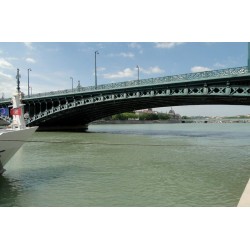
78	118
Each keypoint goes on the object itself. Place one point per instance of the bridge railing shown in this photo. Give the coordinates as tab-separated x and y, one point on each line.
151	81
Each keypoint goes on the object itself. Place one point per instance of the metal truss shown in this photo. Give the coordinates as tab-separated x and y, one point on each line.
129	94
231	86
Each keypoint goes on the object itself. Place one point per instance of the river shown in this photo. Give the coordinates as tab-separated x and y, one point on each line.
156	165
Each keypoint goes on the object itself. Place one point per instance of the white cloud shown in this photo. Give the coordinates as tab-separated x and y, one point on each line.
129	54
29	46
4	64
136	46
101	68
30	60
219	65
199	69
152	70
133	72
120	74
7	85
4	76
123	54
166	45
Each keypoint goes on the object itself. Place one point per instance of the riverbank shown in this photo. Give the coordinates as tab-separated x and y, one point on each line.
245	197
135	122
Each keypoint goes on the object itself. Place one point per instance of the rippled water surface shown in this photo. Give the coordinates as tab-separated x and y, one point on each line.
131	165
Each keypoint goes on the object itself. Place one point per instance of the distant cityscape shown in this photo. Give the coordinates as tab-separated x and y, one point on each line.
171	116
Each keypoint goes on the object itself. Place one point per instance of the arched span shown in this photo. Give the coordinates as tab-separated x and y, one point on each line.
82	106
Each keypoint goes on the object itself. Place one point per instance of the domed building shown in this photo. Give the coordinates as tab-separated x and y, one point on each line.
173	115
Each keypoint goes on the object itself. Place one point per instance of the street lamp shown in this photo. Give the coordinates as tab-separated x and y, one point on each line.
31	90
96	52
72	82
138	72
79	85
248	62
29	82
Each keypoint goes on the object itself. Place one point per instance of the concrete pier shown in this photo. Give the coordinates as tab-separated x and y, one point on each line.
245	197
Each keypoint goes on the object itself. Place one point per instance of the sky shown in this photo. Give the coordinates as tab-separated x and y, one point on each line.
53	64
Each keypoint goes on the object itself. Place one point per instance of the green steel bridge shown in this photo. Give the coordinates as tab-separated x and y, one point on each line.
74	108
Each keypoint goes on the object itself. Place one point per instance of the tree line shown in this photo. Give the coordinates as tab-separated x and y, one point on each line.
141	117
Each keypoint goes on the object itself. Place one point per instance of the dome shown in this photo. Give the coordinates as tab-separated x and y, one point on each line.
171	111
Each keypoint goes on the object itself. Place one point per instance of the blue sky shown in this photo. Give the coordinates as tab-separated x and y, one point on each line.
53	63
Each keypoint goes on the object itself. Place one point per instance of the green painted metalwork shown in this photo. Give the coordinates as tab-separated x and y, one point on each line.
214	91
160	80
190	77
228	86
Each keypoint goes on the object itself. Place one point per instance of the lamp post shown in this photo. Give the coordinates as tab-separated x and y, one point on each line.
31	90
248	62
79	85
96	52
29	82
72	82
138	72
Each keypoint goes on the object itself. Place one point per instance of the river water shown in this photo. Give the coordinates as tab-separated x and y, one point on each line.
178	165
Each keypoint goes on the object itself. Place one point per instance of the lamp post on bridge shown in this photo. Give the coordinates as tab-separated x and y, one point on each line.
248	63
72	82
31	90
29	82
138	72
96	52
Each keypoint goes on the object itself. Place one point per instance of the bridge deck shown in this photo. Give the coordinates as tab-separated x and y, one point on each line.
84	105
174	79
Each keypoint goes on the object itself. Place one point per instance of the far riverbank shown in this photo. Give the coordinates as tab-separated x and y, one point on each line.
135	121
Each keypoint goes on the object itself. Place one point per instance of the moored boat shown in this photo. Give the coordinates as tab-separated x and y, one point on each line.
14	136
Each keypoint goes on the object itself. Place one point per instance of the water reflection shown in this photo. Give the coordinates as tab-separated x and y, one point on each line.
9	190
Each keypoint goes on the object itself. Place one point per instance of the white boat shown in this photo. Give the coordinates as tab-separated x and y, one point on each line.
14	136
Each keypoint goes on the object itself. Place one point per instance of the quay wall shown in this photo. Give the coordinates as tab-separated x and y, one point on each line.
245	197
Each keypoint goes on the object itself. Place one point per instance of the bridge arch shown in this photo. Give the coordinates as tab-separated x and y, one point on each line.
78	107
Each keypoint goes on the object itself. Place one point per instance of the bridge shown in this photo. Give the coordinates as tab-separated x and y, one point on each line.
73	109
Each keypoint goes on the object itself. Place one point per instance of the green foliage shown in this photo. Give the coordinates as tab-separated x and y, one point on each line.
124	116
148	117
163	116
142	116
